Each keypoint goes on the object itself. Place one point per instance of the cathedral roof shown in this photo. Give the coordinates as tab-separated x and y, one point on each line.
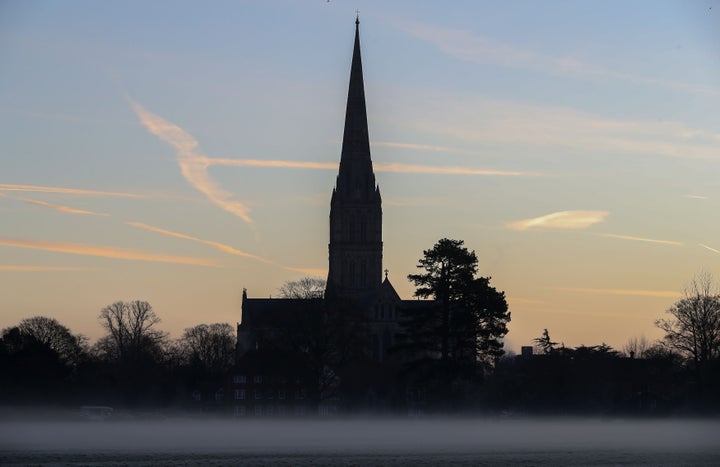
388	290
258	312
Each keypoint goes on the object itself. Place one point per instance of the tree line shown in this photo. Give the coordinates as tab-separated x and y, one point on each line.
451	354
133	363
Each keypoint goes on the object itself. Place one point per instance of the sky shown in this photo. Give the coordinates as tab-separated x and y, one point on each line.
178	152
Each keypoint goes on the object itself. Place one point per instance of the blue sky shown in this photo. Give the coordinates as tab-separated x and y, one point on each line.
573	145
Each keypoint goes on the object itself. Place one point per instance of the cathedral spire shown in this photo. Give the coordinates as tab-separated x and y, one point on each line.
355	155
355	248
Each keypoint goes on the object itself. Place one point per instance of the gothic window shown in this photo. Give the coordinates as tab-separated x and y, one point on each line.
363	229
363	273
352	230
352	273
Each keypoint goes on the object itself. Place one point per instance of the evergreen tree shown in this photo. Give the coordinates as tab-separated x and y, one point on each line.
457	336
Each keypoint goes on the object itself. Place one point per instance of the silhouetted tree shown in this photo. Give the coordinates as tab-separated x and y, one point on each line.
544	343
130	331
31	371
49	331
470	316
449	269
636	347
694	329
660	351
209	346
594	351
307	287
454	338
133	353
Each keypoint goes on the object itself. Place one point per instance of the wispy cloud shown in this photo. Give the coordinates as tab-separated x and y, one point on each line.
218	246
437	170
192	162
523	301
626	292
315	272
378	166
640	239
696	197
709	248
560	220
415	147
60	208
104	251
10	267
68	191
467	46
228	249
278	164
419	201
513	123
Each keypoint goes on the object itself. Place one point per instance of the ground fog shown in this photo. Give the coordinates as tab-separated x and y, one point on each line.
428	440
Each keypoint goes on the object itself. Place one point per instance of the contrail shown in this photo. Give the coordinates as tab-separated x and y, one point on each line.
395	167
191	162
709	248
216	245
561	220
67	191
60	208
10	267
640	239
227	249
104	251
628	292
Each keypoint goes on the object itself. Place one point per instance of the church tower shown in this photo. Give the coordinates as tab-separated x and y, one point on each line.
355	249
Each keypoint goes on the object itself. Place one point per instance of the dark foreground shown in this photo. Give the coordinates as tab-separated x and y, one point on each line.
362	442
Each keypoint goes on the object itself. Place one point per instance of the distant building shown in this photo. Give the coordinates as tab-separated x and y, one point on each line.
355	283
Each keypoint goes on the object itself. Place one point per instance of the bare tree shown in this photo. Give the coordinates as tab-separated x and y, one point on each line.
636	347
212	346
130	327
694	329
307	287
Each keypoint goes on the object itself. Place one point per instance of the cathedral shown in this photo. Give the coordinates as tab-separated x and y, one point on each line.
355	250
339	351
